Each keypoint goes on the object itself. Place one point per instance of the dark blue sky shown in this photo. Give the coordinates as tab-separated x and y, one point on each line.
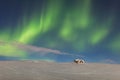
81	27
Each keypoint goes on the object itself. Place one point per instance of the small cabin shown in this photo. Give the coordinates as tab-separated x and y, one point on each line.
79	61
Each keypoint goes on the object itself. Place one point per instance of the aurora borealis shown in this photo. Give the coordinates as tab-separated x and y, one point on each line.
80	27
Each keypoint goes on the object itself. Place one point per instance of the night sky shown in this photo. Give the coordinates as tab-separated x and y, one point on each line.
89	28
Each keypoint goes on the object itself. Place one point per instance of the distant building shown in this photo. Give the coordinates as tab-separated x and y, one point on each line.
79	61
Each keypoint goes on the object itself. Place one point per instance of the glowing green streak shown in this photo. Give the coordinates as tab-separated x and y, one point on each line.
77	18
74	27
29	32
115	44
84	21
100	32
11	51
98	35
82	15
66	32
48	19
51	16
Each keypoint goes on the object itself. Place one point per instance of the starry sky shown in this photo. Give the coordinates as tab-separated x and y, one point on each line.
89	28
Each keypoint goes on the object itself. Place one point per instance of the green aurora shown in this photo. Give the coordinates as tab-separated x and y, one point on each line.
62	23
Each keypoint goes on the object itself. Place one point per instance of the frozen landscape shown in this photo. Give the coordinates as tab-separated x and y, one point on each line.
42	70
